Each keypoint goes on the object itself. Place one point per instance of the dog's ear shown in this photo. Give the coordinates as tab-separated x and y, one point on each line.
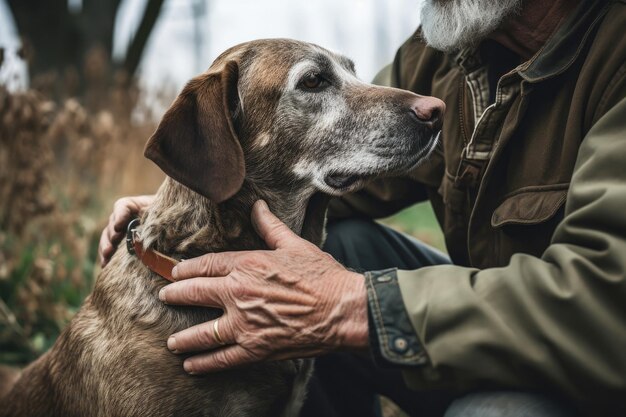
196	143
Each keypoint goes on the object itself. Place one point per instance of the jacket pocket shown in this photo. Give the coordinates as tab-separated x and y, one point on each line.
530	205
525	221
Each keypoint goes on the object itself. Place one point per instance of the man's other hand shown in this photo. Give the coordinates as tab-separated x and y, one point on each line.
124	210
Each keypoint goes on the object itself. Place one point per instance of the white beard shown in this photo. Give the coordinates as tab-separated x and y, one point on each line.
450	25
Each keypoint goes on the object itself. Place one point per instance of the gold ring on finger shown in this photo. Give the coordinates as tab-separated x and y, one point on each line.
216	332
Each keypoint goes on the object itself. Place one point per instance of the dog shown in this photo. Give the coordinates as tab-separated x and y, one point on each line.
280	120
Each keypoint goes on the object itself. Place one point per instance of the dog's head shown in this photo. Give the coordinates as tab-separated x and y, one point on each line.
288	115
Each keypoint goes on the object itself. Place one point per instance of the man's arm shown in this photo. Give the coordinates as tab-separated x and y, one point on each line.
558	321
381	198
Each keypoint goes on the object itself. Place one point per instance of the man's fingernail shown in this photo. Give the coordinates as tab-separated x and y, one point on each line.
175	272
162	296
171	343
263	205
188	367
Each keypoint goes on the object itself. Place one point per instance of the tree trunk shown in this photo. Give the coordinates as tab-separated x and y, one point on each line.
140	40
75	47
50	35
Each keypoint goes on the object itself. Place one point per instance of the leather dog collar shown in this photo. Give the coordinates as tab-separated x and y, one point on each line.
154	260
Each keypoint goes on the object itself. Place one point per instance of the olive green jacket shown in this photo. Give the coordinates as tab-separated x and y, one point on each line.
530	189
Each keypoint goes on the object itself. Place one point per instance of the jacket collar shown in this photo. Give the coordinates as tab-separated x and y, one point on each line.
560	50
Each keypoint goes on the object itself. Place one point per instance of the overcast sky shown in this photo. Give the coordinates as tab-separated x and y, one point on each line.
191	33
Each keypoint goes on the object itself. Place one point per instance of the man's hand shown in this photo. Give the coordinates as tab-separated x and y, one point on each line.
292	301
124	210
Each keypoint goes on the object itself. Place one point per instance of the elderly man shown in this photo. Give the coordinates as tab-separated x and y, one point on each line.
529	316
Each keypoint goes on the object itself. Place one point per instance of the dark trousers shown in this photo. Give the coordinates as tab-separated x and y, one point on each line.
345	384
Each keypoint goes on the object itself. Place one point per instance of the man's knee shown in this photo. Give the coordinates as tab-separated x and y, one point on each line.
348	233
506	404
352	241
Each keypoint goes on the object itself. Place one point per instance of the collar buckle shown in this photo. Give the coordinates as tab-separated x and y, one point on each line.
131	233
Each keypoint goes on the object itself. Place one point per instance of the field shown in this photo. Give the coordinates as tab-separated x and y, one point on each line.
62	166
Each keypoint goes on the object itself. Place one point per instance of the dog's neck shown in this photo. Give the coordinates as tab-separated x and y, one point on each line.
184	224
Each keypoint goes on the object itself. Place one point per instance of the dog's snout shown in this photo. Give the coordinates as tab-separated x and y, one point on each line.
429	110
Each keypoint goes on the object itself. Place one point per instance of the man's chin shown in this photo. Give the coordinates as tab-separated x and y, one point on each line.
453	25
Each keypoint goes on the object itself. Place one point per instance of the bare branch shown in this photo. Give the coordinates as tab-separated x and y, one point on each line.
138	44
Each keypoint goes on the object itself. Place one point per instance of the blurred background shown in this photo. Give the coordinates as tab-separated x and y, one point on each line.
169	41
83	84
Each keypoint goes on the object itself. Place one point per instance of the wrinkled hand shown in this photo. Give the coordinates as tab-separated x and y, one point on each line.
124	210
292	301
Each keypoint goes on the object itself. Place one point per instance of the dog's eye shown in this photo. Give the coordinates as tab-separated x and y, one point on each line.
312	81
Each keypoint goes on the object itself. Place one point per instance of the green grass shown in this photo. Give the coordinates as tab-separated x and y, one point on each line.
41	292
419	221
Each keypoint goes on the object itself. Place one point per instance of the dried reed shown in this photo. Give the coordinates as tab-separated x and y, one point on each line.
61	167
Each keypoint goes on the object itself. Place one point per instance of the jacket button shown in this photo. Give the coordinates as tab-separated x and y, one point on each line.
400	344
383	278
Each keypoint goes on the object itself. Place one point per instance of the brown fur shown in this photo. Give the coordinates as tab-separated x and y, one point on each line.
8	377
112	360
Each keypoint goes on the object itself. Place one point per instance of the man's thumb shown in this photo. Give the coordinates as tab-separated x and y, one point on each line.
270	228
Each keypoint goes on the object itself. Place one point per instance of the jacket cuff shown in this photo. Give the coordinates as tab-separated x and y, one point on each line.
393	341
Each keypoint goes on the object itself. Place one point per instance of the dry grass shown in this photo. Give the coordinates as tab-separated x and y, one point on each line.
61	167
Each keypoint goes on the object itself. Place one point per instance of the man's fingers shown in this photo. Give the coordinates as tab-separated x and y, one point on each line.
228	357
205	336
208	265
105	249
201	292
108	243
126	208
274	232
115	237
123	210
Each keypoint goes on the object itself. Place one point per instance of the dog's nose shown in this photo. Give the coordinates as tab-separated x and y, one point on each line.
429	110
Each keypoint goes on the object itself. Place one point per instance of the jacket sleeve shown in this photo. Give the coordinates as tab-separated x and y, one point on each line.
558	321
